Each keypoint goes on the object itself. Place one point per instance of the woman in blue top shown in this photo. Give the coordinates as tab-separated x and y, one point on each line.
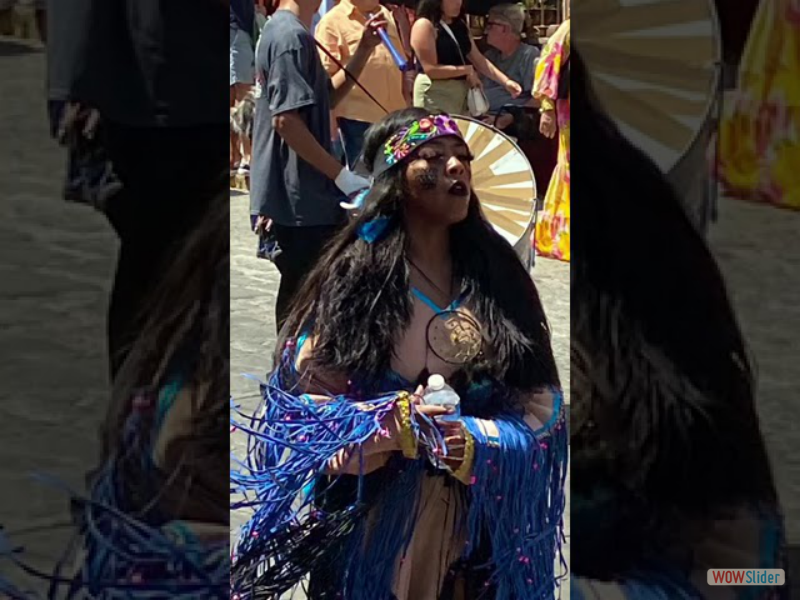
352	480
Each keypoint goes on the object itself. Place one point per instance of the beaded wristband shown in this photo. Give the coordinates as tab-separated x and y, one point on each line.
408	443
464	471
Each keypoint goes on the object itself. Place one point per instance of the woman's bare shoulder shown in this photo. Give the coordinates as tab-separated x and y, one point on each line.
423	24
313	377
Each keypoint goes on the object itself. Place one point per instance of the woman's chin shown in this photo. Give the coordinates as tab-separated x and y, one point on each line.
459	215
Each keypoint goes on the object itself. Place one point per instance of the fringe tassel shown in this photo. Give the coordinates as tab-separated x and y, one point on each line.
372	573
289	444
130	552
518	498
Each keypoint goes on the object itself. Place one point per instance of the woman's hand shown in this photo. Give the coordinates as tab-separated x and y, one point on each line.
428	410
455	440
547	124
473	79
513	88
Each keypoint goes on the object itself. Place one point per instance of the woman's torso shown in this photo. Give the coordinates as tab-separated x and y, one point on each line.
447	52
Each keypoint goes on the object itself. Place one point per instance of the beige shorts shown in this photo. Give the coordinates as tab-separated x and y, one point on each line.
445	95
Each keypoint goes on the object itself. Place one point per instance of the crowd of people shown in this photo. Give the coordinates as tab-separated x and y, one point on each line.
443	66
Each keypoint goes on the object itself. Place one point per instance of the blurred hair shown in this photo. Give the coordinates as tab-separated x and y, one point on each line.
664	425
432	10
185	333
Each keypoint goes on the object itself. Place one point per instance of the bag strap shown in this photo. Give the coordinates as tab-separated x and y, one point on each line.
347	73
453	37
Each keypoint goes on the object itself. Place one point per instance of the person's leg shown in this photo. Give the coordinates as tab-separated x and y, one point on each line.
170	176
235	151
241	91
302	248
352	136
41	19
242	77
6	18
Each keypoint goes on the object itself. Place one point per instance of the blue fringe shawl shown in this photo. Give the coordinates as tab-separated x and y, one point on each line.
127	556
517	498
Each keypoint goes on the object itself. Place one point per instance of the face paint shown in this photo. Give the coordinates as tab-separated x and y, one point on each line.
428	178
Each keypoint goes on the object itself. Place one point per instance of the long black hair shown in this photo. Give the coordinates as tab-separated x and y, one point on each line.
432	10
664	427
185	332
357	302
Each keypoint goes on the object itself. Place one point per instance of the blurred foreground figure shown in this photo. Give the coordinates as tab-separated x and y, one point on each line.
155	520
141	82
670	475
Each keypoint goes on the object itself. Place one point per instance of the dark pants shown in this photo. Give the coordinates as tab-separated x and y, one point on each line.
301	249
352	133
170	176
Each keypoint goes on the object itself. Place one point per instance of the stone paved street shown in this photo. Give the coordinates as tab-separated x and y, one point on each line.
56	264
759	253
254	287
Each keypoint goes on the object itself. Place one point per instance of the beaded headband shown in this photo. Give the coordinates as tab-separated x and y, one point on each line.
408	139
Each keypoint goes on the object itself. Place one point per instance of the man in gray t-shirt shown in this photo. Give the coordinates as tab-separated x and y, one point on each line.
295	182
504	26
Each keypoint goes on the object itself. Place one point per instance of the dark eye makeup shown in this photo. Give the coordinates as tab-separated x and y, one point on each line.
438	156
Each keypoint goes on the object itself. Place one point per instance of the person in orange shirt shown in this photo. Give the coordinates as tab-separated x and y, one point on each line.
339	32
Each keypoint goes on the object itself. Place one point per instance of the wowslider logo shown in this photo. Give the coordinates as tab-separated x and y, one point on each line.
746	577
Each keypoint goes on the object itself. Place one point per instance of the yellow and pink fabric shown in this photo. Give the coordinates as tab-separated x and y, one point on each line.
552	228
760	137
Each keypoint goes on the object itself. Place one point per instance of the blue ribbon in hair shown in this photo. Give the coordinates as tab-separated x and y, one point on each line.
372	230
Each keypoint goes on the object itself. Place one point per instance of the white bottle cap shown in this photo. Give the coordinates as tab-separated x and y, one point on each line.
436	382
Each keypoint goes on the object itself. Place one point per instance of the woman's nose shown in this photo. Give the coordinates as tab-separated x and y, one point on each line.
455	166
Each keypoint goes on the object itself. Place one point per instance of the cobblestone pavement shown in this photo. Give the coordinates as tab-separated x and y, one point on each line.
254	285
759	253
56	265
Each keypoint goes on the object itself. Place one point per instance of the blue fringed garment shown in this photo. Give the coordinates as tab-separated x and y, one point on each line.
127	555
352	548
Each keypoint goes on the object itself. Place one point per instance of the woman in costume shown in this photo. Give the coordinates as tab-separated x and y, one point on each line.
760	138
351	477
669	473
551	88
155	522
450	61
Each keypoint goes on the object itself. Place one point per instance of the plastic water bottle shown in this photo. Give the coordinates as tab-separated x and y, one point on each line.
438	393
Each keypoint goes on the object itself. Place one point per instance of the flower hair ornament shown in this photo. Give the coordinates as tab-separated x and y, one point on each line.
394	151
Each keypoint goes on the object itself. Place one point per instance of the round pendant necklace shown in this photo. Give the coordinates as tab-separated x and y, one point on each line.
454	336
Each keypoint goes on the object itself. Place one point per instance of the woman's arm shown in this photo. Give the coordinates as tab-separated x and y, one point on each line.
319	386
423	42
487	69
